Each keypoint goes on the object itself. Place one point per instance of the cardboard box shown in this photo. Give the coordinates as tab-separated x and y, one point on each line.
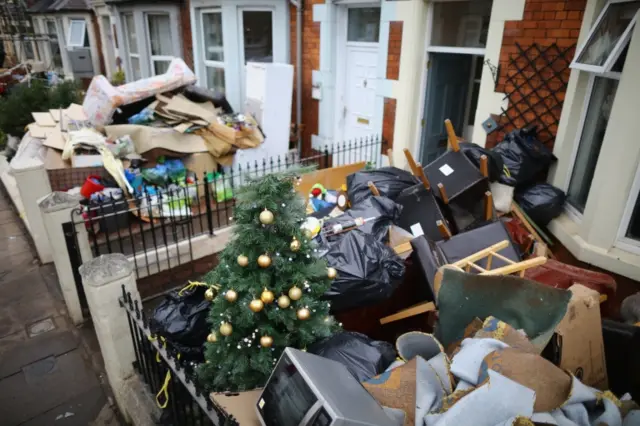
241	405
577	343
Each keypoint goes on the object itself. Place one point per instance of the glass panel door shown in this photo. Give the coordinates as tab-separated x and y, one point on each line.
256	41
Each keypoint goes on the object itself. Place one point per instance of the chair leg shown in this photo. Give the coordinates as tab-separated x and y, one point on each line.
488	205
451	135
443	193
444	230
412	163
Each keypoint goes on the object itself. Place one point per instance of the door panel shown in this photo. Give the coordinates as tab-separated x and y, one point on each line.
447	91
360	106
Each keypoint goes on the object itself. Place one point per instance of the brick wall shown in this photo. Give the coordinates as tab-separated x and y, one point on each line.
310	62
185	27
544	23
393	73
388	122
394	48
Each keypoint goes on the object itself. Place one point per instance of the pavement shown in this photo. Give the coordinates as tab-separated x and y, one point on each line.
51	372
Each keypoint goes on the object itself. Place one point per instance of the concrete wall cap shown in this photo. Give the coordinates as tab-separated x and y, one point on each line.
105	269
58	201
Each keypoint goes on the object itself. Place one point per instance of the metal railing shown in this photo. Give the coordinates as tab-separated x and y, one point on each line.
157	228
172	380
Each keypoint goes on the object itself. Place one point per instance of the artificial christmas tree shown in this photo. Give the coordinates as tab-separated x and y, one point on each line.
271	286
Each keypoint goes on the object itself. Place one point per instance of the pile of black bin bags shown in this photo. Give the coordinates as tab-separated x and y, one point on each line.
521	161
369	270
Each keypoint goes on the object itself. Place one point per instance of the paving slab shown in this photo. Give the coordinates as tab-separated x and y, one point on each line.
27	352
44	385
78	411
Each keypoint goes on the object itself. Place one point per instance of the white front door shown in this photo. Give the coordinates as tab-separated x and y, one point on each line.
360	113
359	116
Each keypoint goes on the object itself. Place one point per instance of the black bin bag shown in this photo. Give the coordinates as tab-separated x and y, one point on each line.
542	202
181	318
524	155
474	152
384	211
364	357
390	181
368	271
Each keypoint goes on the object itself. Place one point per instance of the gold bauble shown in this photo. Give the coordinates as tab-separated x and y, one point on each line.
212	338
226	329
267	296
295	293
303	314
295	245
256	305
243	260
209	294
308	234
284	302
266	341
266	217
264	261
231	296
332	273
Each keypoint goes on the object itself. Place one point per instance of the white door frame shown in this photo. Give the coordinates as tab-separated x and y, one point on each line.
428	50
340	83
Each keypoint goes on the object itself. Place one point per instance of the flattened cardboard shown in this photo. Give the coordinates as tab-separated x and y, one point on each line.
38	131
183	127
240	405
43	119
332	178
75	112
55	113
147	138
55	139
579	338
183	106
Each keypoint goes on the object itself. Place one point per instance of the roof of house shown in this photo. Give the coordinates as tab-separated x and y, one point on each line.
51	6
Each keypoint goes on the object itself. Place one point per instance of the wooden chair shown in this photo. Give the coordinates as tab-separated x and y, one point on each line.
466	265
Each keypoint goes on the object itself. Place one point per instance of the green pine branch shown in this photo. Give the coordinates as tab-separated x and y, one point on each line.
238	362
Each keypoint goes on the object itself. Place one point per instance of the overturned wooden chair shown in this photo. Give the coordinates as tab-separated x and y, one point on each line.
471	264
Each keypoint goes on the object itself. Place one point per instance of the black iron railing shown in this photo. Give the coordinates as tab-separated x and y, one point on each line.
157	227
172	380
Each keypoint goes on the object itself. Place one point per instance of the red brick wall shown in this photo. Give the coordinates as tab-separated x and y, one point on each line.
394	48
388	122
185	27
310	62
544	23
393	73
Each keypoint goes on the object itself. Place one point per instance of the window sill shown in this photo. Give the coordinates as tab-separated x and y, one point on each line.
612	259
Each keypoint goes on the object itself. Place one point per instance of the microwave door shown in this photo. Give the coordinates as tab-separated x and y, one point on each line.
306	420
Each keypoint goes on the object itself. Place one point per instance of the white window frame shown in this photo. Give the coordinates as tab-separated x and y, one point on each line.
45	23
84	33
127	46
622	241
139	13
572	211
233	63
155	58
617	49
208	63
